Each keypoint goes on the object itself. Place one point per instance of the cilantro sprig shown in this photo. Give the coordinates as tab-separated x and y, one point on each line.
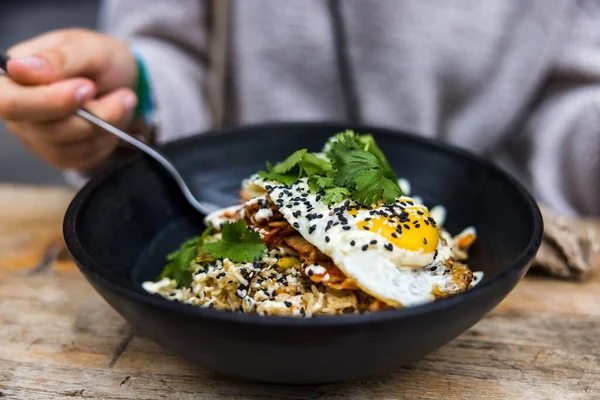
180	263
365	173
238	243
355	167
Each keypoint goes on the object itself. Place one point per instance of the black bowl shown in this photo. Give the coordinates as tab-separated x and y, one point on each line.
122	224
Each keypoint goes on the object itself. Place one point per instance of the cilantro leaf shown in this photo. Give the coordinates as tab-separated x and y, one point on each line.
180	262
372	186
238	243
179	266
363	172
289	163
287	171
325	182
313	165
350	162
335	195
288	178
313	186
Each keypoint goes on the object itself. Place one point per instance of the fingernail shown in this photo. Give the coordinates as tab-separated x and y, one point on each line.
31	62
130	101
84	93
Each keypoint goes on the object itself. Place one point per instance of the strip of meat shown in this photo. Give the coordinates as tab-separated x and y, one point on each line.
280	232
310	255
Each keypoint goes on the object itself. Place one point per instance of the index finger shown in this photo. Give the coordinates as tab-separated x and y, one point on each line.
45	102
55	56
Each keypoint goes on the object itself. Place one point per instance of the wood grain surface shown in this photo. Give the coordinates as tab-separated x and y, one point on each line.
60	340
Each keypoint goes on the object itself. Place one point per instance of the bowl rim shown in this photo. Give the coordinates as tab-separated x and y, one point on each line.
83	260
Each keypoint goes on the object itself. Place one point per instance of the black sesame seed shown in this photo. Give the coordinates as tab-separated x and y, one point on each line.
211	305
417	225
309	272
346	228
312	229
352	243
435	254
318	198
280	195
296	225
367	219
433	268
394	235
426	222
366	228
389	247
420	212
424	240
327	239
287	304
365	247
407	226
373	241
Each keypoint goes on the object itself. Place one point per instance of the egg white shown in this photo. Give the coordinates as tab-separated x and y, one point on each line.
399	277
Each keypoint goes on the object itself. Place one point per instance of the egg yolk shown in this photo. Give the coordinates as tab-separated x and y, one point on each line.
414	232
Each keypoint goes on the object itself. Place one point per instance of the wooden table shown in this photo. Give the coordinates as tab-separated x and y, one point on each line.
59	339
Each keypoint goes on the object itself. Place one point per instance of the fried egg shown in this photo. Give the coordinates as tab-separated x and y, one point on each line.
392	252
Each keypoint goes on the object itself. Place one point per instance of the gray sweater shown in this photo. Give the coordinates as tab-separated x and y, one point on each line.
517	81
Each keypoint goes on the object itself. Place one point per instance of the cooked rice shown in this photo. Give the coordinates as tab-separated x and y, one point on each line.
263	287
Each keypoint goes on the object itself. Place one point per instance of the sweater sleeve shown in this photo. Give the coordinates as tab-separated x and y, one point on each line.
171	39
560	142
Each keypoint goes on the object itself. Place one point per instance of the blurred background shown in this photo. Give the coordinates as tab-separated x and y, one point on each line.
20	20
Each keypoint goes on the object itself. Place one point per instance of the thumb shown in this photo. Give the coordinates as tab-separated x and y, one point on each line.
58	55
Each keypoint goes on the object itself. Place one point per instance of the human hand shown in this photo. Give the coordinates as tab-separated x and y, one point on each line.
54	74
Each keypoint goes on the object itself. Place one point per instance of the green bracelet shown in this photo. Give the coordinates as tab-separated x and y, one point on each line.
143	92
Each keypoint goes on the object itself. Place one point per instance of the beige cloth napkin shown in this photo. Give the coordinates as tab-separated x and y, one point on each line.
570	248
